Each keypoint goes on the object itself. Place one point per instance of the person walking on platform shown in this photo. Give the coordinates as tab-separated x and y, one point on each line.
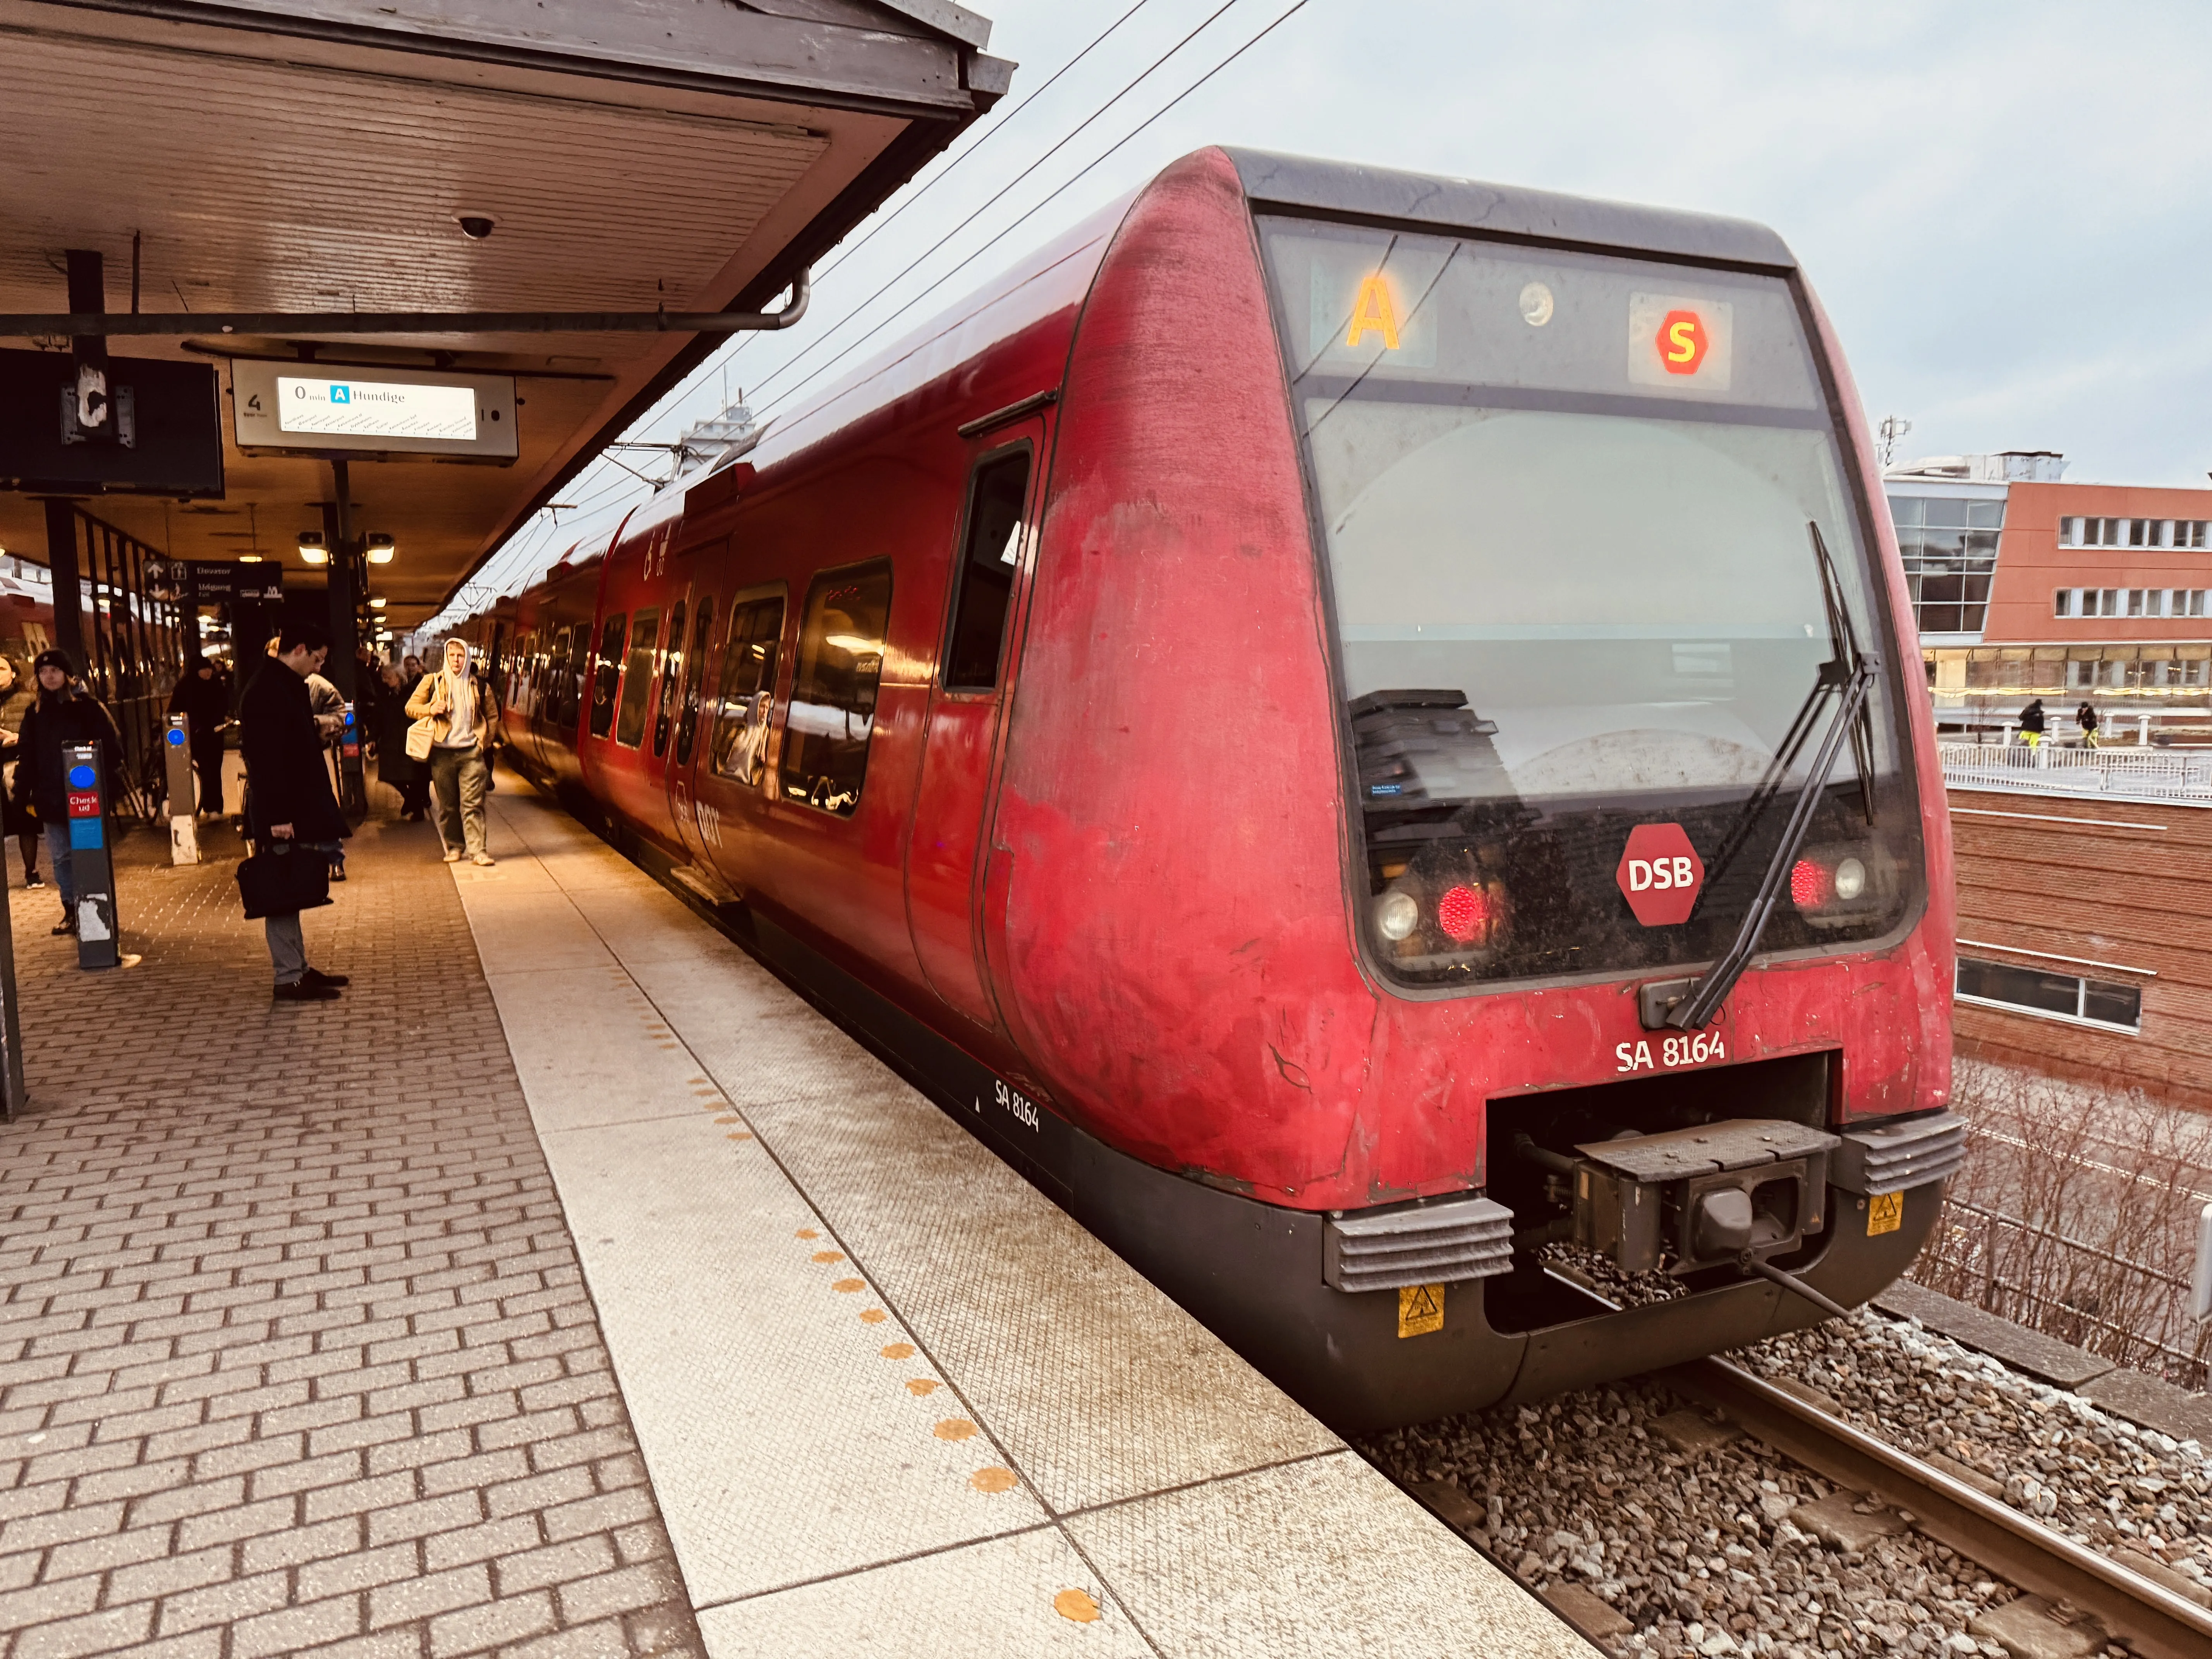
65	715
203	698
394	766
464	720
290	802
16	696
2086	717
2032	723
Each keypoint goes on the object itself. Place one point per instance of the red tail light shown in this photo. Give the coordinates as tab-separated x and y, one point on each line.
1462	913
1809	884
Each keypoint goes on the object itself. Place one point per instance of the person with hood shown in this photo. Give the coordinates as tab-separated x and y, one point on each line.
203	697
2031	723
2086	717
16	696
290	802
65	716
463	718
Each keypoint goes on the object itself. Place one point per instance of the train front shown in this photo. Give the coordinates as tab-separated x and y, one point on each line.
1641	839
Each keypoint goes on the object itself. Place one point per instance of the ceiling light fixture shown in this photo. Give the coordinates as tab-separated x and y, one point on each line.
312	549
380	548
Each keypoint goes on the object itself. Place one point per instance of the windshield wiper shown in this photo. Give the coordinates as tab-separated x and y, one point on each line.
1851	674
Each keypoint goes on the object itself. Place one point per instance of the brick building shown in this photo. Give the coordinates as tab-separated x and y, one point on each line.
2028	587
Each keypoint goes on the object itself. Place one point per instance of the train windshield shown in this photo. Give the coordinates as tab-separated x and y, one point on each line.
1593	566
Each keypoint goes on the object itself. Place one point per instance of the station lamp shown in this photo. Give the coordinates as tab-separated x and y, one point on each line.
377	602
380	548
249	558
312	549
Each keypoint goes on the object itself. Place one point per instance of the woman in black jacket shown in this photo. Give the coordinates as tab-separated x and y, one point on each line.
66	715
16	696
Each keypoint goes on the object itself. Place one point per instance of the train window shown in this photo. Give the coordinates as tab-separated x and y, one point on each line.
748	690
1595	561
637	677
833	696
687	729
984	584
557	665
607	675
671	664
580	663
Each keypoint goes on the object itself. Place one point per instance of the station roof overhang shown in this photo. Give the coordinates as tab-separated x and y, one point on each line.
308	157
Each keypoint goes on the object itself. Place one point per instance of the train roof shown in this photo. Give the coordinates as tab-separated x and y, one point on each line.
1303	184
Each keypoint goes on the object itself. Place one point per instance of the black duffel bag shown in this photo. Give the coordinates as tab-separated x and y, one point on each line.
281	879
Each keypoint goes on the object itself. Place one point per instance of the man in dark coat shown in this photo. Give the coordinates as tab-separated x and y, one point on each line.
66	715
204	698
292	812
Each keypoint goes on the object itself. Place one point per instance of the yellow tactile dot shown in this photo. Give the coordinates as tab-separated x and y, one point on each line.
847	1286
1077	1605
740	1134
829	1255
954	1428
923	1385
993	1479
806	1232
899	1351
729	1120
873	1316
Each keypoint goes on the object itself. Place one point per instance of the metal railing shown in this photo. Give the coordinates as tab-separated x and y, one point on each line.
2183	779
2065	1287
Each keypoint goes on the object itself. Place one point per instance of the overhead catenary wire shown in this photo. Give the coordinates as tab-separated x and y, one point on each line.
1065	139
1293	10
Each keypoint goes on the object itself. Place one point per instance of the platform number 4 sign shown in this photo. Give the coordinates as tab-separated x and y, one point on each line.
1420	1309
1885	1213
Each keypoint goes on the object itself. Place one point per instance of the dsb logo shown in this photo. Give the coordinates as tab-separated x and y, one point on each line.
1660	874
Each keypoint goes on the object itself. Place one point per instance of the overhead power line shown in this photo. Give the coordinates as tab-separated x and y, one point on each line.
906	305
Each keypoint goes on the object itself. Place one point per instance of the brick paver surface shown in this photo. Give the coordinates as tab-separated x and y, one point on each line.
294	1354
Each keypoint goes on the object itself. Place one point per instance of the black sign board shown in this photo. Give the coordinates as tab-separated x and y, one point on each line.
169	440
216	582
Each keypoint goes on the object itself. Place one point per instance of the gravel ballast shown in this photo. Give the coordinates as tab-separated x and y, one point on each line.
1697	1549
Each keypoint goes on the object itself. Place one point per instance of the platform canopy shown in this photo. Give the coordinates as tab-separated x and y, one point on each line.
282	160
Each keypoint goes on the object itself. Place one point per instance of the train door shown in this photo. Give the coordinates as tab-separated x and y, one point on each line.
732	764
680	717
945	839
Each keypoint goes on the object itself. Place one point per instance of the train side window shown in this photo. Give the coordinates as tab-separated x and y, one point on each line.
557	664
990	554
748	690
607	675
687	727
833	696
580	668
637	677
671	664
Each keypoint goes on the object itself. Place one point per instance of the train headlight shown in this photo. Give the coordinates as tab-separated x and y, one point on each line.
1396	915
1851	879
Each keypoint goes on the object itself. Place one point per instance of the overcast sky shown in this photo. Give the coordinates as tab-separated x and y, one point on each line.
2007	208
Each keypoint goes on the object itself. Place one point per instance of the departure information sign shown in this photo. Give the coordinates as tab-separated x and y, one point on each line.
370	408
373	412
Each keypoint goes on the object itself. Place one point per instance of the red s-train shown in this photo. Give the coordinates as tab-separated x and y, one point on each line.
1355	727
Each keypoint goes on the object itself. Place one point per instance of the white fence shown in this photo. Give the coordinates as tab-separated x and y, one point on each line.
2180	778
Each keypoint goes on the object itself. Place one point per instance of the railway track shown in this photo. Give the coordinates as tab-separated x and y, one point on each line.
2151	1619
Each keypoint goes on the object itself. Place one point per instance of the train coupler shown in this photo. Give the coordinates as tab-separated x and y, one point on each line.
1711	1196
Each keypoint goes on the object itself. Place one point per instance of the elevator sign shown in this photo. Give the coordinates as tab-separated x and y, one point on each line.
1660	874
371	412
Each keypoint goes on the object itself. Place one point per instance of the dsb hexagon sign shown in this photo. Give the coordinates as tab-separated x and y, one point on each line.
1660	874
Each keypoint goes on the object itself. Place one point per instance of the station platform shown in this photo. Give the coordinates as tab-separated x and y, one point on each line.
572	1286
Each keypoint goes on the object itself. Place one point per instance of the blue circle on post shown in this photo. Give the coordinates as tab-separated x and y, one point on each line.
176	738
80	777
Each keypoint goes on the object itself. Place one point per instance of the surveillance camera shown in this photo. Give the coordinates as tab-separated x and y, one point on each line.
477	226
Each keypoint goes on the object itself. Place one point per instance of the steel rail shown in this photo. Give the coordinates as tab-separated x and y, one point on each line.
2158	1622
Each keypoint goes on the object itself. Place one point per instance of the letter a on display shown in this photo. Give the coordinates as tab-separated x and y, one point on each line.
1373	314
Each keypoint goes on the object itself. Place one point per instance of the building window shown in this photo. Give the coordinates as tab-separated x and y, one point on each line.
2189	532
1949	547
2051	996
2090	533
2147	532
